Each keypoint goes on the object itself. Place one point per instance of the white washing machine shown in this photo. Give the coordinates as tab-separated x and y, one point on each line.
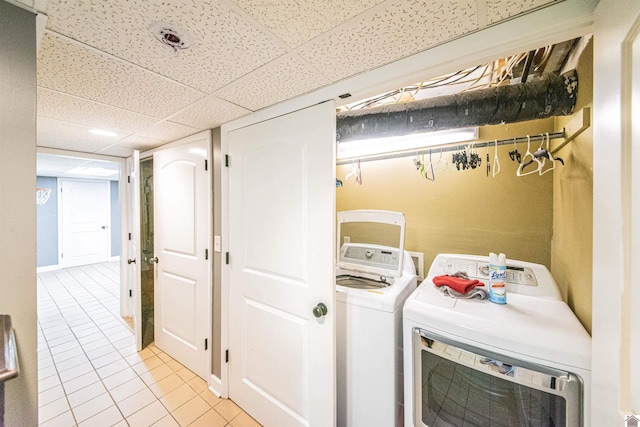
470	362
372	282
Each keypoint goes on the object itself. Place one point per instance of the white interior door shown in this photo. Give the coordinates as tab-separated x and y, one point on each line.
616	213
182	231
85	222
133	245
281	244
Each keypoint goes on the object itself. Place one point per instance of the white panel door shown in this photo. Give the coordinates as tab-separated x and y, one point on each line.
616	213
182	230
133	245
281	243
85	222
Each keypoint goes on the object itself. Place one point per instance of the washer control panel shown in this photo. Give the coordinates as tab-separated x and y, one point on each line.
372	255
479	270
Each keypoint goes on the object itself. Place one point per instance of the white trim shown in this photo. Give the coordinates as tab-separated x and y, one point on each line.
46	268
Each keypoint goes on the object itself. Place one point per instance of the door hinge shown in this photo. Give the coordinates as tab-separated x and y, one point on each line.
226	258
226	356
128	179
206	343
130	293
129	236
206	164
206	254
226	160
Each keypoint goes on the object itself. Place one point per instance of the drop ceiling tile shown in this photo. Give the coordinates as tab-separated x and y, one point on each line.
387	34
116	151
49	130
59	106
277	81
297	21
209	112
497	10
141	143
230	45
167	131
70	67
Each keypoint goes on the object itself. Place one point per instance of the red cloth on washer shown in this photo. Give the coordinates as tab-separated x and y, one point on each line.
458	284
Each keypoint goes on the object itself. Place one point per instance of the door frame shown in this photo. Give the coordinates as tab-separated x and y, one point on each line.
124	206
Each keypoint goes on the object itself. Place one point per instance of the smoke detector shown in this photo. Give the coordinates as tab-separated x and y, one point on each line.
170	35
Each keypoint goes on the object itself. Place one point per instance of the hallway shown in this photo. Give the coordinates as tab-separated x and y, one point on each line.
90	374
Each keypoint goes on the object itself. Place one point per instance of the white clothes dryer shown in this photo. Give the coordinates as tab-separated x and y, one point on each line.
471	362
372	283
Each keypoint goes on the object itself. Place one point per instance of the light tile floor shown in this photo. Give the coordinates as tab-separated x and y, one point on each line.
90	373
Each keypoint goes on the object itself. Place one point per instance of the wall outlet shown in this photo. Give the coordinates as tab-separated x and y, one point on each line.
347	239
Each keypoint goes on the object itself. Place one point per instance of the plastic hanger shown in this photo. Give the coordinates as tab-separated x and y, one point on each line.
525	163
545	154
355	170
496	162
441	164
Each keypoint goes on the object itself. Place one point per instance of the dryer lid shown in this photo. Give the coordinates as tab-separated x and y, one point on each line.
371	241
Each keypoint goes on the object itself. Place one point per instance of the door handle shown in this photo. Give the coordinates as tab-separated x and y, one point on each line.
153	260
104	227
320	310
131	261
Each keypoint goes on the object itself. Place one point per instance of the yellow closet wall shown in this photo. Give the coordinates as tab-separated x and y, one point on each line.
543	219
572	243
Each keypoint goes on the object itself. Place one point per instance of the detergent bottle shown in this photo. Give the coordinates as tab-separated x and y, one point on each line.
498	278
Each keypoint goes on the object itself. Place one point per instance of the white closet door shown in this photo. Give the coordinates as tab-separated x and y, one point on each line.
281	242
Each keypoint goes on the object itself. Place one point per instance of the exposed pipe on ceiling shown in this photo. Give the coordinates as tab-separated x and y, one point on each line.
551	95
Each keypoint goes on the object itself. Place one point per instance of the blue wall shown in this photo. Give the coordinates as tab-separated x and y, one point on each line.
47	224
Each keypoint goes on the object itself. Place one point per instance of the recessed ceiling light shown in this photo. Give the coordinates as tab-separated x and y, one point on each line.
102	132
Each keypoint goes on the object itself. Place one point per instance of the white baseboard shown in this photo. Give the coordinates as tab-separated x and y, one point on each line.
48	268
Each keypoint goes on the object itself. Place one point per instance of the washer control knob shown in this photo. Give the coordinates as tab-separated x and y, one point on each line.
368	253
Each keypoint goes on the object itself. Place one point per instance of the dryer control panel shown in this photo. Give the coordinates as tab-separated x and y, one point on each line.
517	275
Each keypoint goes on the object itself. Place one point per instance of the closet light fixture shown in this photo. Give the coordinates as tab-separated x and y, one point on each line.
393	144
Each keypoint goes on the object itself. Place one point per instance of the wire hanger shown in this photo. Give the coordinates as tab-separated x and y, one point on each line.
496	162
515	156
430	169
525	164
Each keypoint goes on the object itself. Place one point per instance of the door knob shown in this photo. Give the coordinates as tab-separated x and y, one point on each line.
131	261
320	310
153	260
104	227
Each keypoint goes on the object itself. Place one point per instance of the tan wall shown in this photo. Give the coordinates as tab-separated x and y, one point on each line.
572	248
463	211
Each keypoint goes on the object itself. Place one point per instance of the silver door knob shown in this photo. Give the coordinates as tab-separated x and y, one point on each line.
131	261
320	310
153	260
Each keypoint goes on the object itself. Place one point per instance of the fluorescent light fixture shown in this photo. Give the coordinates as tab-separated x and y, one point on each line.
376	146
85	170
102	132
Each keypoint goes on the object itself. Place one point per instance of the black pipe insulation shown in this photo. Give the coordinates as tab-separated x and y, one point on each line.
551	95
